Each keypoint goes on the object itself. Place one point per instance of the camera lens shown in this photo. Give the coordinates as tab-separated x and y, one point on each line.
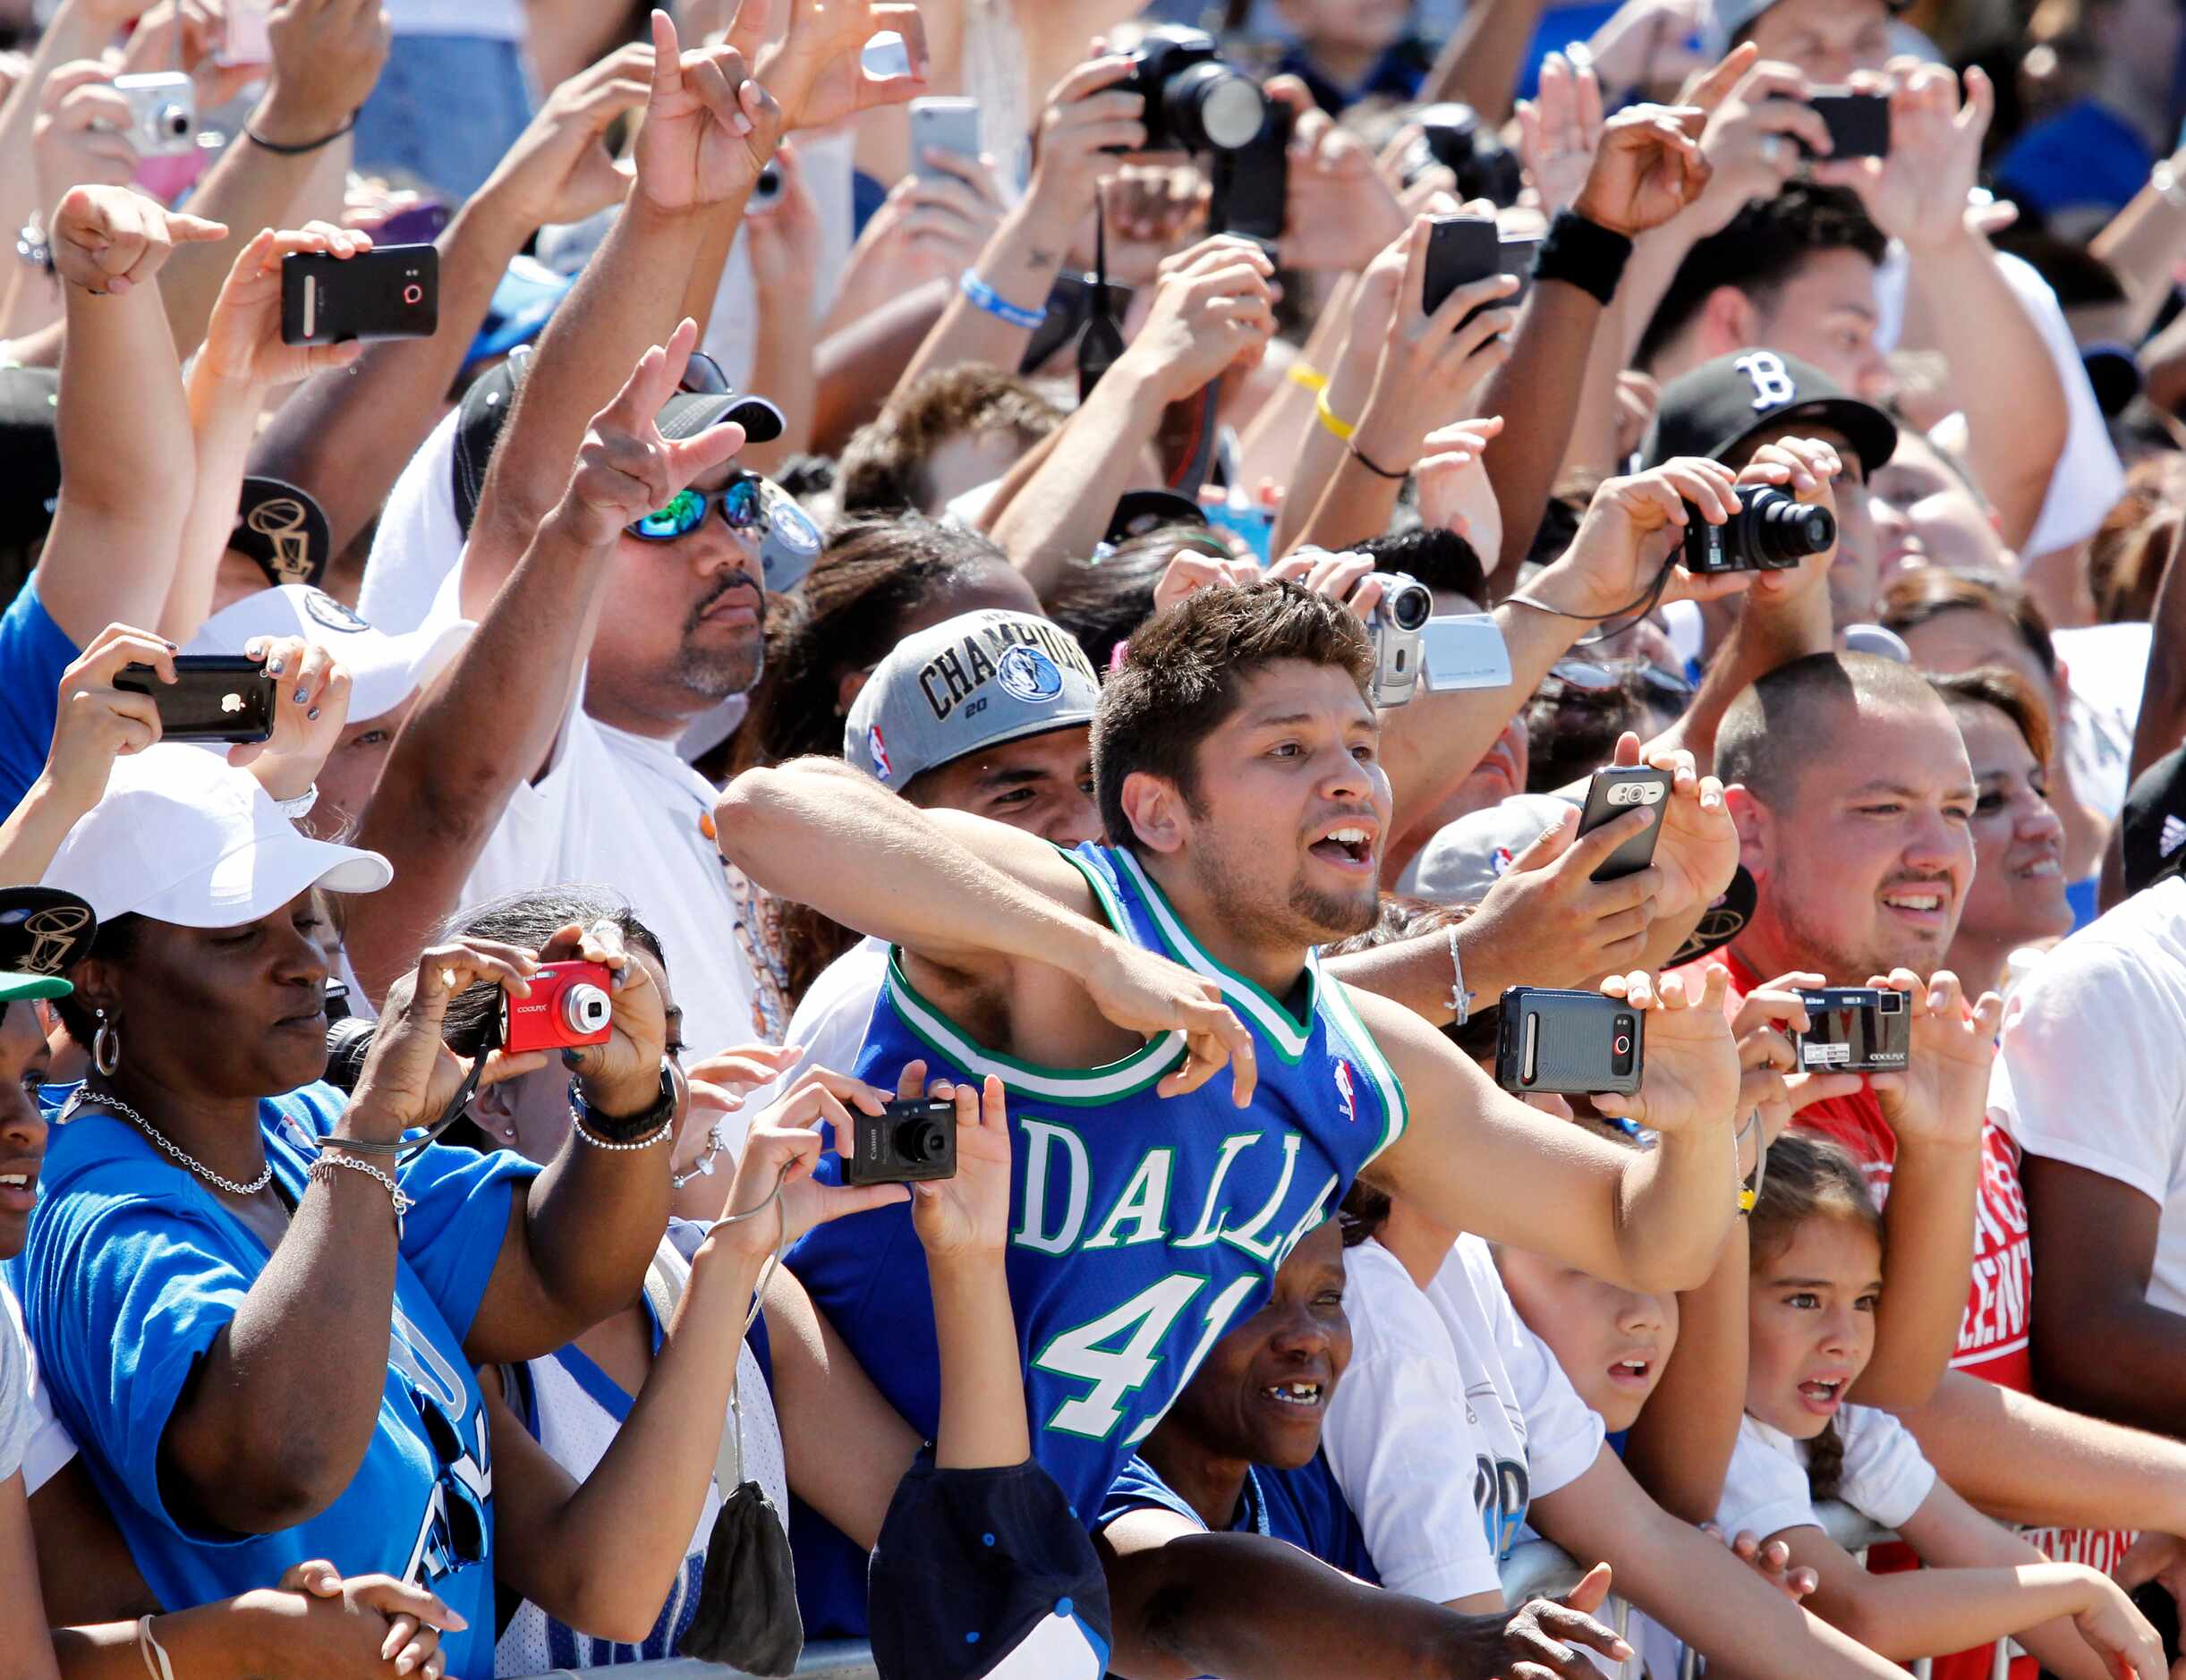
1777	530
1212	107
173	121
1621	1028
1408	604
348	1042
921	1142
585	1009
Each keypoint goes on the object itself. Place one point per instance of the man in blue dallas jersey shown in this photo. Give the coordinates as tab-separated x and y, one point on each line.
1236	756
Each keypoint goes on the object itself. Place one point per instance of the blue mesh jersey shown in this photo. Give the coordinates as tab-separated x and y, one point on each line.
1142	1227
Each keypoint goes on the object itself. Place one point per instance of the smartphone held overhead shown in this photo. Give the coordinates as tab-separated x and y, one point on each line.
390	292
213	697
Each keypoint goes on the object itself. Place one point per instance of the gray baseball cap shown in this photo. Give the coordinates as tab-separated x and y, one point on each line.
1462	860
977	680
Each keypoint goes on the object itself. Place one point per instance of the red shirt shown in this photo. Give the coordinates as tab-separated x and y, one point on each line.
1993	1335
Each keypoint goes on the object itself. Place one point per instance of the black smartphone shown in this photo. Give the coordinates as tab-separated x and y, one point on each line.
1251	186
1567	1041
1460	250
213	697
903	1143
1613	793
391	292
1518	255
1858	124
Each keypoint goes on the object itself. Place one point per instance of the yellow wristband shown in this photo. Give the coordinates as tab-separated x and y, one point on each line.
1311	377
1747	1198
1342	428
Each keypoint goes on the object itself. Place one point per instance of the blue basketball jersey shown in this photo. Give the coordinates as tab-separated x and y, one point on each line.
1142	1227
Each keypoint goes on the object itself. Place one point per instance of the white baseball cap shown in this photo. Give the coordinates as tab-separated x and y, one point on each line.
385	670
185	837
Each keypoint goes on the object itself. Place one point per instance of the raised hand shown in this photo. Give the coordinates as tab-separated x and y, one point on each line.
243	336
709	127
1759	130
1149	995
411	1075
1086	121
1454	491
969	1213
816	68
783	1146
310	709
785	236
1550	919
79	137
1648	169
1340	209
626	469
1696	853
1769	1083
327	59
1631	527
107	241
1809	468
1917	194
560	169
94	722
1213	309
1690	1076
1943	1094
1196	569
1560	132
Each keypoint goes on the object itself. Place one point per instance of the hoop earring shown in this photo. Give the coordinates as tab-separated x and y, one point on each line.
106	1046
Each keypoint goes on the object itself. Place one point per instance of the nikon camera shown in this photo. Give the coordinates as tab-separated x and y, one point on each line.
1194	101
1771	531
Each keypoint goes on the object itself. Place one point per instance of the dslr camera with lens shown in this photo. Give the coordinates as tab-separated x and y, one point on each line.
1771	531
1194	101
1454	136
163	113
1396	630
904	1144
1856	1030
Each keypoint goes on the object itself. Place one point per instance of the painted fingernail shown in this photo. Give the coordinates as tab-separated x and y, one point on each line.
302	694
273	668
312	716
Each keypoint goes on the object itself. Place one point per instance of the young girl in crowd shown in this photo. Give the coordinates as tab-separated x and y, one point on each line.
1818	1264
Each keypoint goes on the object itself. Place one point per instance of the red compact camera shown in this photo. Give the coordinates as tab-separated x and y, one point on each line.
571	1005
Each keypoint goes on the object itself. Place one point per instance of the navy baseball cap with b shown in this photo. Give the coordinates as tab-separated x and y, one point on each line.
972	682
1719	404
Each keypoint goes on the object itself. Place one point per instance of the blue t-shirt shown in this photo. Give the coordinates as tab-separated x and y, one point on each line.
34	651
2084	157
1142	1227
1303	1506
134	1268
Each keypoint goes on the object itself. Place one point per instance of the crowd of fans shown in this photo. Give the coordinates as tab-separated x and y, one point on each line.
1048	793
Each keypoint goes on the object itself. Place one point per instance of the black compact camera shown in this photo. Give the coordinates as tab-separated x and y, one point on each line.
1568	1041
1771	531
904	1144
1856	1030
1472	150
1194	101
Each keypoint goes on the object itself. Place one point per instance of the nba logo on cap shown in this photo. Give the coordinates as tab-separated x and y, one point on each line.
1503	861
877	751
1028	674
1344	1094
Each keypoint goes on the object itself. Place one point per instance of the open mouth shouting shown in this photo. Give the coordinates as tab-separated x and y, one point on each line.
1822	1396
1348	844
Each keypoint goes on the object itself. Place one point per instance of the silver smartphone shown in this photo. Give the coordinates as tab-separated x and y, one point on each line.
942	125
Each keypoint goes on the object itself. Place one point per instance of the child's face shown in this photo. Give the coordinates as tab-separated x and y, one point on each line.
1355	23
1811	1314
22	1124
1613	1343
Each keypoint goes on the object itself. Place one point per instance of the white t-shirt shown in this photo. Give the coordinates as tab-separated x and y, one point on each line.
418	541
32	1439
620	810
1885	1478
2088	477
2091	1072
1451	1418
2107	668
829	1025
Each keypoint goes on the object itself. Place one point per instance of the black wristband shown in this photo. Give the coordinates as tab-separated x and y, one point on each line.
1582	254
627	1128
275	146
1379	472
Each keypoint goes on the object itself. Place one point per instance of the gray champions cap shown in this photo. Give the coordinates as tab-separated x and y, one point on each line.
977	680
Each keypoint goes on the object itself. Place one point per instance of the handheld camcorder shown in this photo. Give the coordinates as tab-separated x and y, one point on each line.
1568	1041
1195	102
1771	531
904	1144
1397	630
1856	1030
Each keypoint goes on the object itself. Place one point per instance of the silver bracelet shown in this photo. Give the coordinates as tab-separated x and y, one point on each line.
1460	999
324	1168
297	809
702	1167
667	1131
2168	187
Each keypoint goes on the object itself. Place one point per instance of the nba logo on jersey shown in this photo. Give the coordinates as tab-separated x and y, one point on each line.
877	751
1344	1093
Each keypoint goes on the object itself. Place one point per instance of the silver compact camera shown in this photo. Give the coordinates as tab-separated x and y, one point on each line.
163	113
1397	632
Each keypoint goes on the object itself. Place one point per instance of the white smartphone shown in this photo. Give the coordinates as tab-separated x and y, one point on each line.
1463	650
942	125
247	39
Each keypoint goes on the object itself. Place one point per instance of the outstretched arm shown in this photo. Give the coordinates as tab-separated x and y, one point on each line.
1650	1220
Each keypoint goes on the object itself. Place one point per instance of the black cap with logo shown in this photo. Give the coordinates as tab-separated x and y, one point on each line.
1719	404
